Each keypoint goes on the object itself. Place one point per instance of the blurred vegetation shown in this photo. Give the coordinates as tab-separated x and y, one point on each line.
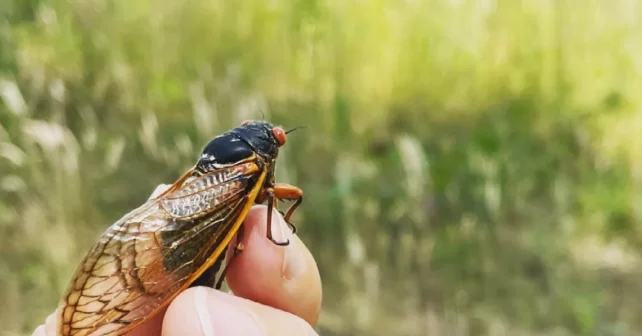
470	167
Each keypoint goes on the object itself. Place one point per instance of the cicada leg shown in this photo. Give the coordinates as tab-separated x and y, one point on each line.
282	191
238	248
271	200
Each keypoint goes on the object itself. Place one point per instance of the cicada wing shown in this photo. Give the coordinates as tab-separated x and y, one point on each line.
144	260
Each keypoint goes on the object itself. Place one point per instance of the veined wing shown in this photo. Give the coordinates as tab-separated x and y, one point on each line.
145	259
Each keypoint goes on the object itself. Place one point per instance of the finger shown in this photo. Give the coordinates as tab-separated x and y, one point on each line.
40	331
159	190
51	324
49	328
205	311
284	277
152	327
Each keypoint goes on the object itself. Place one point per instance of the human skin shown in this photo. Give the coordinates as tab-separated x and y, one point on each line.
276	291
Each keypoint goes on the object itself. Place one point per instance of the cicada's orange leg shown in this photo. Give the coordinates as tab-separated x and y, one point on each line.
282	191
238	248
271	200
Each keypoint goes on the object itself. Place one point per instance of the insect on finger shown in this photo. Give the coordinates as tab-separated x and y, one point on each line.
178	236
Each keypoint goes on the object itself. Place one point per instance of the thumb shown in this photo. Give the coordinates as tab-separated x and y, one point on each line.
205	311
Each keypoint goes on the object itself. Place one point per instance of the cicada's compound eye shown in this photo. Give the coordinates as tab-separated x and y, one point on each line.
279	135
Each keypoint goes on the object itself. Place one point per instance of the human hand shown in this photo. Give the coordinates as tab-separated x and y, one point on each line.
277	291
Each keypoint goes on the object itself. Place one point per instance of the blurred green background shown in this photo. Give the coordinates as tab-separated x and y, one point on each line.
470	167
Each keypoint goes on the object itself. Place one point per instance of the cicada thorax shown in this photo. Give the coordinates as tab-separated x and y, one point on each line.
201	193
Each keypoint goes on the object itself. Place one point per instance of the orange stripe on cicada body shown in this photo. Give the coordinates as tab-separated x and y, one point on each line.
149	256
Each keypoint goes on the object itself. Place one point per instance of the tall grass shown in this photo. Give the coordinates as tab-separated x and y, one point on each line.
470	167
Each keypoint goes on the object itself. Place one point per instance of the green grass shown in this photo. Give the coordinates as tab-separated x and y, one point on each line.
470	167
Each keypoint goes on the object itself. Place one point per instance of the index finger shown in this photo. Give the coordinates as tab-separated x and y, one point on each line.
283	277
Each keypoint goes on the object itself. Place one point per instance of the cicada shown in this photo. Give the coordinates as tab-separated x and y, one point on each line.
145	259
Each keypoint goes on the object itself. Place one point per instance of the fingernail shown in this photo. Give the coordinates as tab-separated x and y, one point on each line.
293	264
293	261
304	328
219	317
200	301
